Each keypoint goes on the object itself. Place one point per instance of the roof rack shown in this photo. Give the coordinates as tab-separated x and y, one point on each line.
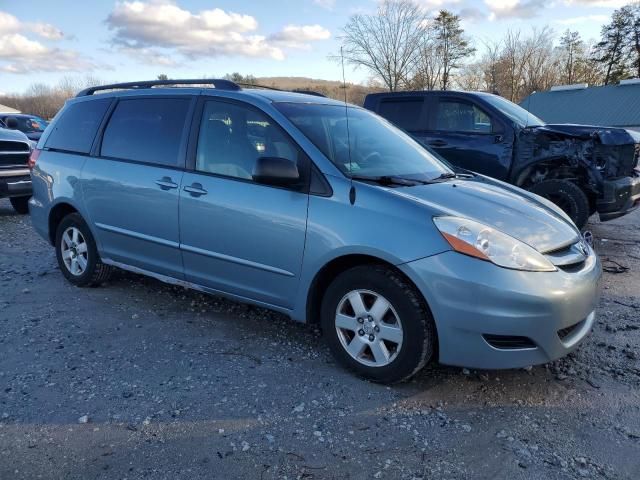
295	90
220	84
309	92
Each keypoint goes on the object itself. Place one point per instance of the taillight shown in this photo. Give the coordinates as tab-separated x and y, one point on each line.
33	158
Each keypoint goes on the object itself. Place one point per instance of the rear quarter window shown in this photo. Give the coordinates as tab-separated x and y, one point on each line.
146	130
76	128
404	113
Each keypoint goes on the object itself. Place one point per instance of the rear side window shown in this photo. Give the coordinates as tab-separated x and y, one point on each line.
146	130
404	113
76	128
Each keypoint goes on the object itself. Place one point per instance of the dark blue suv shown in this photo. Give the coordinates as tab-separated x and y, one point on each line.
581	169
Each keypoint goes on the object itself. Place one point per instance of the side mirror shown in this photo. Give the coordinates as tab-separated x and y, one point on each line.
276	171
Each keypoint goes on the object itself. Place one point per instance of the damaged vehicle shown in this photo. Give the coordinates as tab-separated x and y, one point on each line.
582	169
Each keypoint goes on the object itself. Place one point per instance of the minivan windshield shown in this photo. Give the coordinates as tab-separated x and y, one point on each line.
515	112
378	149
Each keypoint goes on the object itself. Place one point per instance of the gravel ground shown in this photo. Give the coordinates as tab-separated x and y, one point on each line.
138	379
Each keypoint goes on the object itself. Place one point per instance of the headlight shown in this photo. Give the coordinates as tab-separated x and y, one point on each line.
480	241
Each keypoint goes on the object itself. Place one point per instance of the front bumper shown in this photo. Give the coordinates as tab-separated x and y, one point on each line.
619	197
474	302
15	184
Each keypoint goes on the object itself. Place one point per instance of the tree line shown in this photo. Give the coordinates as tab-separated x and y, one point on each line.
403	48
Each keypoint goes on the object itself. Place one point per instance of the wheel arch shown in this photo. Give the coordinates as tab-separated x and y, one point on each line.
332	269
56	214
562	166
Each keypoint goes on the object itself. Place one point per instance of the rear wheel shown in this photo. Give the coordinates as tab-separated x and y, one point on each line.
377	324
20	204
568	196
77	253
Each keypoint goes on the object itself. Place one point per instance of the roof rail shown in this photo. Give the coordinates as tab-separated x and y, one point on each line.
295	90
220	84
309	92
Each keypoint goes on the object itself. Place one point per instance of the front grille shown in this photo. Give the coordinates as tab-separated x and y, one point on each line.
14	159
9	146
570	258
508	342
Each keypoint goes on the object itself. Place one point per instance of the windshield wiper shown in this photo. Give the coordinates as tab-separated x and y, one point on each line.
388	180
449	175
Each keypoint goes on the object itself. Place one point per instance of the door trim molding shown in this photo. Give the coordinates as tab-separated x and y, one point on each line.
141	236
240	261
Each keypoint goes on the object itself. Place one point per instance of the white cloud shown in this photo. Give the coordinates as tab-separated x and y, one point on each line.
583	19
164	29
299	36
598	3
46	30
21	54
515	8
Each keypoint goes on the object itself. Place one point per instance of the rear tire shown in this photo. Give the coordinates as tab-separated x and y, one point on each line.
77	254
20	204
385	342
568	196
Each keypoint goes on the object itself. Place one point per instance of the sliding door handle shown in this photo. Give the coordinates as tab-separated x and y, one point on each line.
195	190
165	183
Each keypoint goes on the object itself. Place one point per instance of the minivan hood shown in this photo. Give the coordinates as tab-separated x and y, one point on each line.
517	214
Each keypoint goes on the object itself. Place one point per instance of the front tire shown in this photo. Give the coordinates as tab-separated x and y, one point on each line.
77	254
20	204
568	196
377	324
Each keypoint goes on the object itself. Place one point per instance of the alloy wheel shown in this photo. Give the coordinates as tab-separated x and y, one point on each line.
369	328
74	251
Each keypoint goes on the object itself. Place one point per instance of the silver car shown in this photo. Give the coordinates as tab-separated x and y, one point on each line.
322	211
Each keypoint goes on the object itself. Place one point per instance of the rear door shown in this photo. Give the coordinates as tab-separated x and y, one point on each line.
238	236
131	188
468	136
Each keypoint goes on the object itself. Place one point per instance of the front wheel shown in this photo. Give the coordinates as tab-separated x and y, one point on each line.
377	324
568	196
20	204
77	253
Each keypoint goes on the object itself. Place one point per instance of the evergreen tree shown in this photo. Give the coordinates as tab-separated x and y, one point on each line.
451	45
612	52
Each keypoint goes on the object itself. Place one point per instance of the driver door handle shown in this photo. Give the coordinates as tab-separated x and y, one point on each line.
195	190
438	143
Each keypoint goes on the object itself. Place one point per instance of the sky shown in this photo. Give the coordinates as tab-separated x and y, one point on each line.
43	41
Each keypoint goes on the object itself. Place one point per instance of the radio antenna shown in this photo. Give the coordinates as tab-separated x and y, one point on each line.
352	192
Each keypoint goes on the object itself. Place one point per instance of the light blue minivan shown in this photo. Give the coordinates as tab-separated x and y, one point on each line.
319	210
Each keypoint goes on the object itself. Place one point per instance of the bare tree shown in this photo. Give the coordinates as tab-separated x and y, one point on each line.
387	42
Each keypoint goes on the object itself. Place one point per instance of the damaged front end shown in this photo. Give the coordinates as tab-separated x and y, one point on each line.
604	162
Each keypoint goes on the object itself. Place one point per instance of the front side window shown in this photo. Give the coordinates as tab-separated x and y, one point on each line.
369	147
515	112
232	137
146	130
460	116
